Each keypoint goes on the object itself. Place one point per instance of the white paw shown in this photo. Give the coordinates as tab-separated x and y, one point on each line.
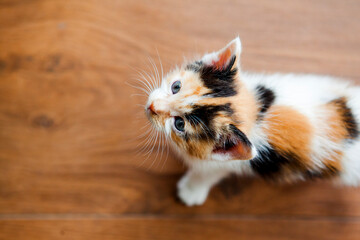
190	192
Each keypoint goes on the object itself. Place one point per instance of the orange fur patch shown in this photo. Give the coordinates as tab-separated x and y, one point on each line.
337	126
289	132
197	91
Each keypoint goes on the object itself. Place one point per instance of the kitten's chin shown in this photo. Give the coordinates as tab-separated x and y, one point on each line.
156	124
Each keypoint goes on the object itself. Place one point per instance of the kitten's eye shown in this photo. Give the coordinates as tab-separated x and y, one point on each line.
179	124
175	87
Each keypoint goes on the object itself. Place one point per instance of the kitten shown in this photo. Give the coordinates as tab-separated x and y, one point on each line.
283	127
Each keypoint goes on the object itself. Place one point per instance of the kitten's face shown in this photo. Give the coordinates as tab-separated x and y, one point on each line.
197	107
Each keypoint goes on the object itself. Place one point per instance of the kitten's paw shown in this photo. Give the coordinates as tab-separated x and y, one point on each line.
190	192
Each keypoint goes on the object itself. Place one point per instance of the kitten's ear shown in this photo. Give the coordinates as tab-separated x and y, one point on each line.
228	55
234	146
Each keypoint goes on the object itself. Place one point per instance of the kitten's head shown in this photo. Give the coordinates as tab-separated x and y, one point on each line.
204	109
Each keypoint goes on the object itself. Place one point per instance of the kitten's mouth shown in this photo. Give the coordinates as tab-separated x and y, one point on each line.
151	116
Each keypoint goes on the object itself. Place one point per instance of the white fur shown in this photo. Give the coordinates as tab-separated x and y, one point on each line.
194	186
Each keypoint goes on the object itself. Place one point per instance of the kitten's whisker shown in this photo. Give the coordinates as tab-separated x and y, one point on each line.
162	147
150	78
146	125
146	80
147	140
167	152
144	85
153	69
162	150
156	71
152	150
145	146
166	155
153	73
148	153
152	135
161	66
140	79
137	87
140	105
143	134
140	114
157	150
138	94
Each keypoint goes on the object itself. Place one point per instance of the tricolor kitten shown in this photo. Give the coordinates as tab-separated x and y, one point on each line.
283	127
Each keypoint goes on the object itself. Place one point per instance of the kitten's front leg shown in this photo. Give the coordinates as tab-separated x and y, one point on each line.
194	186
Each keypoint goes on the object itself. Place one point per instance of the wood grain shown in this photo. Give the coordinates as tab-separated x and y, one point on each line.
170	228
69	121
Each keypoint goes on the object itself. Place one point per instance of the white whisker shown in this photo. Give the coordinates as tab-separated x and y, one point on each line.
140	105
167	153
146	76
142	74
143	79
148	153
143	134
157	151
151	69
157	76
147	141
139	88
161	66
144	83
138	94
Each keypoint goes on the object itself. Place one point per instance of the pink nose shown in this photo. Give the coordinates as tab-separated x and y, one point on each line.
151	109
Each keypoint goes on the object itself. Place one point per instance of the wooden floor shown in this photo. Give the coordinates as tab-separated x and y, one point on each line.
68	122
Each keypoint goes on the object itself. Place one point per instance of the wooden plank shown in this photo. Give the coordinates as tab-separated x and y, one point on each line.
185	228
127	190
66	115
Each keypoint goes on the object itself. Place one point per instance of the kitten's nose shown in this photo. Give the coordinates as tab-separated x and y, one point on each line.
151	109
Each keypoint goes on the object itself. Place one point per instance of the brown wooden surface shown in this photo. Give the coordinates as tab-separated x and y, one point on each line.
179	228
68	163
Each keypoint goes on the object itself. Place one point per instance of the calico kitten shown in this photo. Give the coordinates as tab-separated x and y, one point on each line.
283	127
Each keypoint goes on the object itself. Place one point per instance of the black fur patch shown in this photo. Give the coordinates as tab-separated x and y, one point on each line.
206	113
347	117
266	98
203	115
270	162
221	82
